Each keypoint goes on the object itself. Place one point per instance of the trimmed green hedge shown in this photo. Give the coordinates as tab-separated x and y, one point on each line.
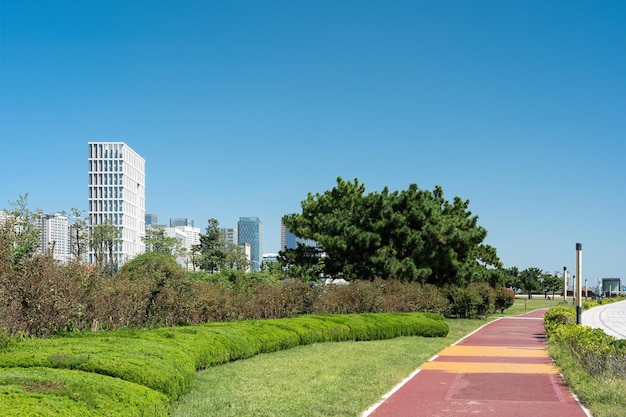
163	361
53	392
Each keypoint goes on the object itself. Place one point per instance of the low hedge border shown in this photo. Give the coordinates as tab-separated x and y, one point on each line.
164	361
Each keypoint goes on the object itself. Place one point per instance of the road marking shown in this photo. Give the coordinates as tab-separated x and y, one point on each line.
491	368
503	351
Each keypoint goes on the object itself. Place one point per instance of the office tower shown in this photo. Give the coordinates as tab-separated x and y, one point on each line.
55	236
229	235
117	189
151	219
181	222
251	231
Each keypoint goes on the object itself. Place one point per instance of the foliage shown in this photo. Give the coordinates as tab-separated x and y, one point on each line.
304	262
165	288
79	231
504	298
165	360
29	392
551	284
528	280
598	352
475	300
410	235
215	253
210	248
19	237
102	241
156	240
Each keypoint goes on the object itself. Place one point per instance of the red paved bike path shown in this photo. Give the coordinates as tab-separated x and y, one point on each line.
501	370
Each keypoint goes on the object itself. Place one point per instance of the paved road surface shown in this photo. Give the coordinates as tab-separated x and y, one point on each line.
609	317
501	370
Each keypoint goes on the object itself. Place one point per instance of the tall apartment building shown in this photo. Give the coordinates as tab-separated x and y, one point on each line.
117	190
251	231
55	236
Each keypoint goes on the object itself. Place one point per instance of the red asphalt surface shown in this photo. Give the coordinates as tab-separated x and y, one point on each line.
501	370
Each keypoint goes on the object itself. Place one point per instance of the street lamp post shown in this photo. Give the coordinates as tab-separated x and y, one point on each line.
579	272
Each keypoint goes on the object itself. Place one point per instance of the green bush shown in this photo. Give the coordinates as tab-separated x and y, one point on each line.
166	359
598	353
466	302
504	298
26	392
559	316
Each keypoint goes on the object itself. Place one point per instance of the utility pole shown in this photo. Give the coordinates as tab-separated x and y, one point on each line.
565	284
579	275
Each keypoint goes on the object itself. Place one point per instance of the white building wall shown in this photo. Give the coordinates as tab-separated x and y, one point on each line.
55	236
189	236
117	189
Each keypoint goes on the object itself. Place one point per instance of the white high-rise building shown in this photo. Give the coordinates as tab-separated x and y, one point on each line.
55	236
189	236
117	196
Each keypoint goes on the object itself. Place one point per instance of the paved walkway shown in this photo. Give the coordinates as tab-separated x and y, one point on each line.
501	370
609	317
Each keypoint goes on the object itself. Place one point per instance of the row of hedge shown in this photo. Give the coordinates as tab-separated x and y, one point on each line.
43	297
597	352
140	372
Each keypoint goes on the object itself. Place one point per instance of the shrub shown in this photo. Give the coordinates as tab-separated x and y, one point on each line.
29	392
504	298
598	352
558	316
474	300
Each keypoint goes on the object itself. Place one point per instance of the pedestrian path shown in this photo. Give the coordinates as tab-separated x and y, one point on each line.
501	370
609	317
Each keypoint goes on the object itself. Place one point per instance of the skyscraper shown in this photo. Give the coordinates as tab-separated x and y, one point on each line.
251	231
117	189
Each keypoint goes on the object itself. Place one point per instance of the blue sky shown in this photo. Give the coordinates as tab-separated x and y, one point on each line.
241	108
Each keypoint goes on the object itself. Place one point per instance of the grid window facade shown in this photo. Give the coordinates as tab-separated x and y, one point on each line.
117	196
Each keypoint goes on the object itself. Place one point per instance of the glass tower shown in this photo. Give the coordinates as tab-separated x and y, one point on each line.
251	231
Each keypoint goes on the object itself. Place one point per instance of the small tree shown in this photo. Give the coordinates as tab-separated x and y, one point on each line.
158	241
235	256
211	248
79	234
19	236
529	280
102	241
551	283
505	298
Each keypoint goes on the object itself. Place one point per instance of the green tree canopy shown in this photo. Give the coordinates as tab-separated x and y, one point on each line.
158	241
529	280
411	235
19	236
211	253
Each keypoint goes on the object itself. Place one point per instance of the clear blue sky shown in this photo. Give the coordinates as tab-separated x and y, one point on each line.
241	108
